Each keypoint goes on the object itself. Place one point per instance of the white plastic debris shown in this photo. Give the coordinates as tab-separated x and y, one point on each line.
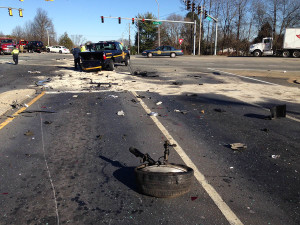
113	96
34	71
75	96
121	113
158	103
275	156
26	105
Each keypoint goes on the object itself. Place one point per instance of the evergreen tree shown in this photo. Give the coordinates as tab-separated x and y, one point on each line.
64	40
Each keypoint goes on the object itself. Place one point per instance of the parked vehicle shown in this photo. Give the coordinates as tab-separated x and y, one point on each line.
103	54
6	45
58	49
35	46
291	45
163	51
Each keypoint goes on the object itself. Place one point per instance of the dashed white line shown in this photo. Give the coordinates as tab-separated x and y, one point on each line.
223	207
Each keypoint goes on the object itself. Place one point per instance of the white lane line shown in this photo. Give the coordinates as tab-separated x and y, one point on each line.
224	208
249	78
48	171
259	106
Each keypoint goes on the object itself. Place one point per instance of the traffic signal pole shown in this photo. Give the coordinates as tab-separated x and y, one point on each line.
169	21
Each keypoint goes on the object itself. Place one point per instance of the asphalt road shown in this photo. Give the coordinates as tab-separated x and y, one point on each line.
70	164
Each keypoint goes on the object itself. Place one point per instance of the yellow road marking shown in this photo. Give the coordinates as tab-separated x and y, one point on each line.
224	208
7	121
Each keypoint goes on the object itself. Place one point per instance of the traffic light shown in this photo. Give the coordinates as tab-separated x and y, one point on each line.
102	19
132	20
143	20
205	14
10	11
193	7
119	20
199	8
188	5
20	13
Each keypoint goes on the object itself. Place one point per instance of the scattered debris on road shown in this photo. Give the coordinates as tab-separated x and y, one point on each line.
220	110
140	96
275	156
153	114
113	96
265	129
34	72
75	96
191	95
47	122
278	111
238	146
28	133
121	113
181	111
38	111
177	83
296	81
42	82
158	103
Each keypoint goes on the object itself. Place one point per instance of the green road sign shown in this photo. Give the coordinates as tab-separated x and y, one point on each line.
156	23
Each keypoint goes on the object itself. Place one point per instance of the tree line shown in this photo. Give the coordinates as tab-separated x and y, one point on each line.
240	23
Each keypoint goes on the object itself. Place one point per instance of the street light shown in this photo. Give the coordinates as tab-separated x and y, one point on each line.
158	24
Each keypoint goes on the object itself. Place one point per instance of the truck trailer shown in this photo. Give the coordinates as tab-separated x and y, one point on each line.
291	45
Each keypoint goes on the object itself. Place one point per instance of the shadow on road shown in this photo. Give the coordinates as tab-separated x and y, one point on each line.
124	174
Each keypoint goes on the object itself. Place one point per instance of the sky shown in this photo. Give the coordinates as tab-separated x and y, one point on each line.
78	17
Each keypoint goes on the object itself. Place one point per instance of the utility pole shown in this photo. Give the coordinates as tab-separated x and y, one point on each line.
158	32
200	29
129	36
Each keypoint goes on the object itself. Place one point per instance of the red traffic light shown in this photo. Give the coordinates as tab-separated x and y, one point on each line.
132	20
143	20
102	19
119	20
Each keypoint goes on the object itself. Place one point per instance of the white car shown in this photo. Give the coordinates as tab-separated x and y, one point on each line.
58	49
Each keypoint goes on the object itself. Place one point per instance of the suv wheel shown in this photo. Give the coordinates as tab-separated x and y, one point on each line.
127	61
111	65
60	52
149	55
173	55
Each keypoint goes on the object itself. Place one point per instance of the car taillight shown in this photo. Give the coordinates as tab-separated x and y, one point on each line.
181	50
104	56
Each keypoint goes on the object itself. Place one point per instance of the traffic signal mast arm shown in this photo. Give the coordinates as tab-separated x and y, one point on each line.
141	19
10	10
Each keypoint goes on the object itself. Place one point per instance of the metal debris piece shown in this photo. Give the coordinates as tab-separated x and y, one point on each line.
153	114
42	82
278	111
265	129
28	133
47	122
177	83
238	146
121	113
296	81
275	156
181	111
140	96
220	110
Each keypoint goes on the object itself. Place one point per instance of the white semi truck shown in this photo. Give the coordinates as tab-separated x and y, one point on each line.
291	45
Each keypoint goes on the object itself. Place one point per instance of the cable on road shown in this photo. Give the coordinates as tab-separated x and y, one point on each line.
48	171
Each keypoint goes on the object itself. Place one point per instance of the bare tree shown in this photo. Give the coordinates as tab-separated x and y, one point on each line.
18	32
41	24
78	39
172	31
